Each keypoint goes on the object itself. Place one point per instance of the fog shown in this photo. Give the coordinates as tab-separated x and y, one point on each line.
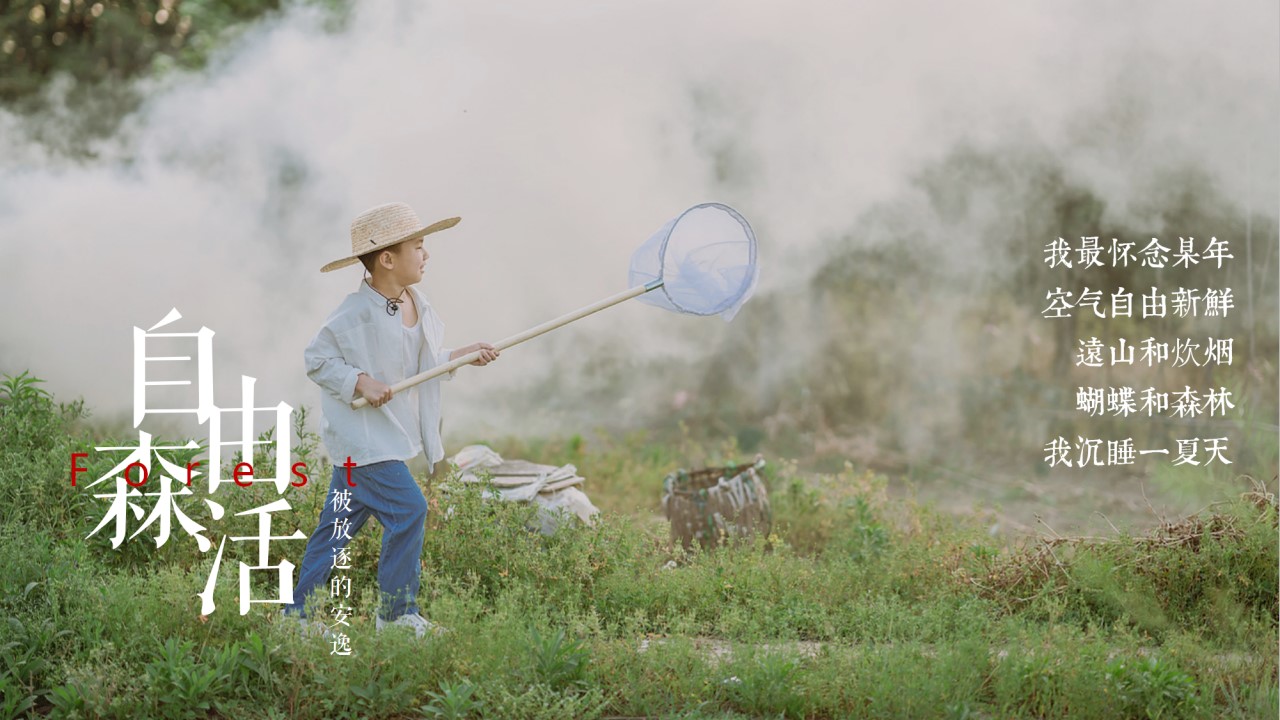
564	134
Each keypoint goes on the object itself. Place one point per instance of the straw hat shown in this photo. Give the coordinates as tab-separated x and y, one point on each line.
384	226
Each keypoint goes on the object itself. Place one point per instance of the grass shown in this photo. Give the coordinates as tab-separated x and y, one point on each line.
859	604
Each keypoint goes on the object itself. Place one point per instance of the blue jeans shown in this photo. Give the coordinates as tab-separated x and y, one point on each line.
387	491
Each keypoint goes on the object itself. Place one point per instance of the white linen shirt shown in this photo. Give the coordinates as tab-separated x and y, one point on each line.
360	337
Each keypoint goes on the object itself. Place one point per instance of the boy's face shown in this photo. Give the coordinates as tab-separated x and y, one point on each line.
408	260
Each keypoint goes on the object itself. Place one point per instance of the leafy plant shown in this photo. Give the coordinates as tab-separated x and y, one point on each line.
1152	689
22	388
183	688
453	702
26	657
14	698
374	697
68	702
255	659
767	685
539	702
866	537
558	662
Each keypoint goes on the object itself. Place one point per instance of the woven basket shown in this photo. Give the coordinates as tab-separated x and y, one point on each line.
713	506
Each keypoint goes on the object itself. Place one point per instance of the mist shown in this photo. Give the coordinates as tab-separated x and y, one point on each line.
563	135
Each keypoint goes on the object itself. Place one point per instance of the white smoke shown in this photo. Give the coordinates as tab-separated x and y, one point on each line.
564	133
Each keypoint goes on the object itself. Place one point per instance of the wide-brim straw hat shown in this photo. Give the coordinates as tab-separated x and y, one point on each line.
384	226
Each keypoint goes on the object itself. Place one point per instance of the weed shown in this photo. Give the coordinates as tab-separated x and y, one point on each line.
1152	688
15	699
453	702
558	663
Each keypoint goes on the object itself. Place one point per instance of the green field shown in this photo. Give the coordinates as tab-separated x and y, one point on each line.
860	603
896	370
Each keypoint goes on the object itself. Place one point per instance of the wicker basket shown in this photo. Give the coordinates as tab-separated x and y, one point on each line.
712	506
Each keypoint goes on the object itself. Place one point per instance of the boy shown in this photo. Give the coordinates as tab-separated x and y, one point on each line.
380	334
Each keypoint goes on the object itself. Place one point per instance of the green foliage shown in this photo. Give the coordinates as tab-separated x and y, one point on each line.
36	442
858	605
767	684
257	660
92	41
539	702
183	687
1152	689
68	702
377	697
15	699
68	68
20	389
453	702
492	546
1038	683
1179	576
26	656
97	41
557	662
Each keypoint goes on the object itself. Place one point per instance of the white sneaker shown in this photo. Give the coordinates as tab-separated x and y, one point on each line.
420	625
307	627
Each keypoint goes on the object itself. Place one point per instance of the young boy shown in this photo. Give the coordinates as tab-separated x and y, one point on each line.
380	334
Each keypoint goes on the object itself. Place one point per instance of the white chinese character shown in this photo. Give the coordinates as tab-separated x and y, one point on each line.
1090	353
1187	452
1091	297
1217	250
1218	351
1090	400
1186	403
1059	303
1154	352
281	446
1056	452
1184	353
340	587
1154	255
1154	402
1153	304
1217	301
341	645
1088	452
134	472
1089	252
1121	303
341	529
204	370
342	615
1186	253
283	571
1218	402
341	559
1056	253
1215	446
1120	253
1186	302
1121	357
341	501
1120	452
1120	401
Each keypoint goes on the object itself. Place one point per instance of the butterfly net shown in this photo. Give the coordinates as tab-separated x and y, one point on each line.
705	260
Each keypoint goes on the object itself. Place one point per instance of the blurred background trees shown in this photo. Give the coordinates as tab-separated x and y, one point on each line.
68	67
108	40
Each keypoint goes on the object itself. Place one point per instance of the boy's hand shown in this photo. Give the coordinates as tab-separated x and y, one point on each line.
488	353
375	392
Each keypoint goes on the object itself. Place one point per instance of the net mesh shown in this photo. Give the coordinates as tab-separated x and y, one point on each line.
705	258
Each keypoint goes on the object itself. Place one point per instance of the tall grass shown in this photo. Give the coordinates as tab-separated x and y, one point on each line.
857	605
